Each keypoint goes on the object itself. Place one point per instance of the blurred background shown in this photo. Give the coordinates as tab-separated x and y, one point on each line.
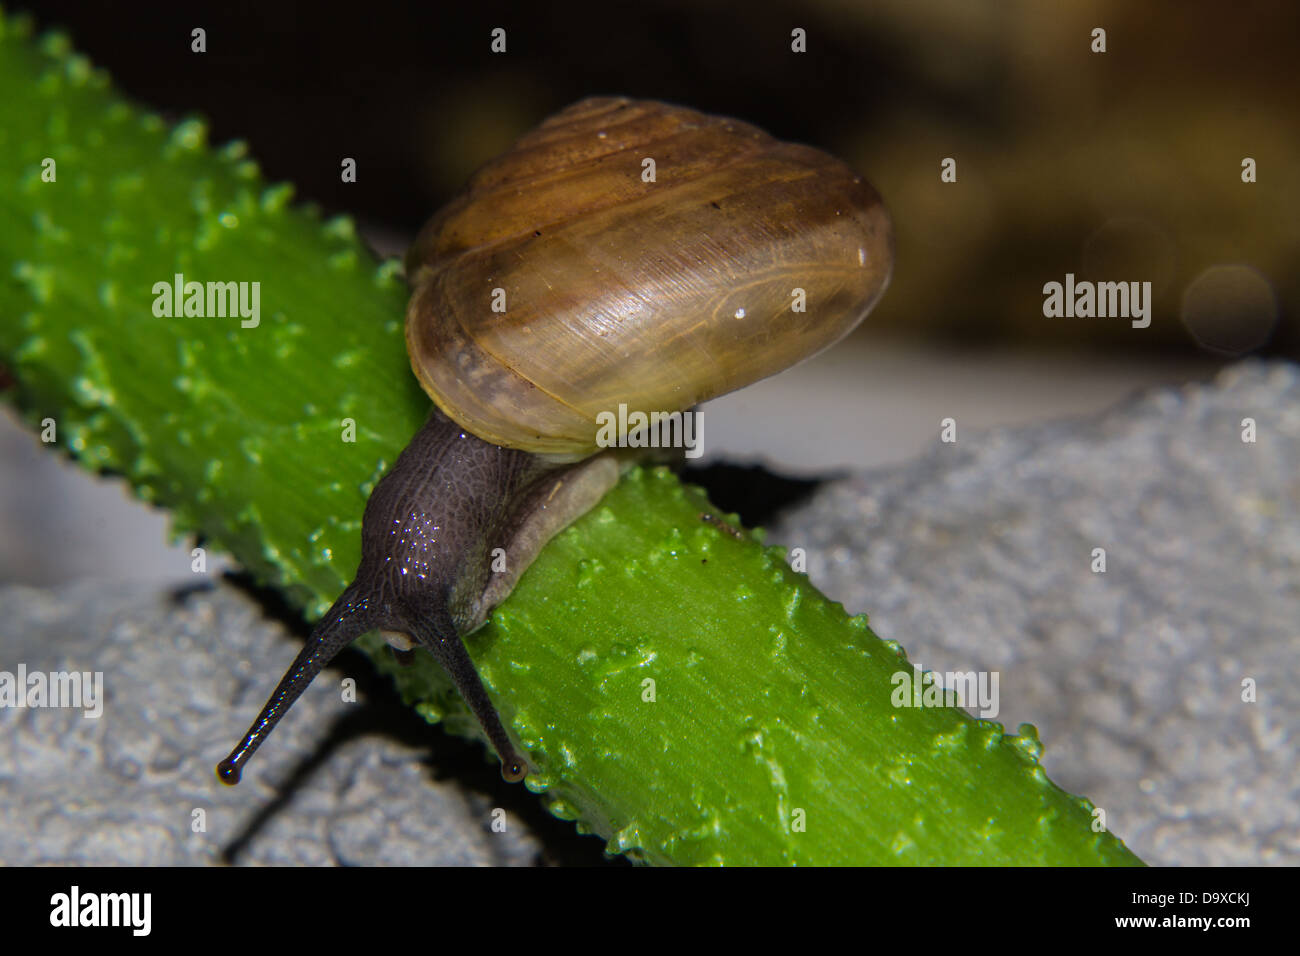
1122	166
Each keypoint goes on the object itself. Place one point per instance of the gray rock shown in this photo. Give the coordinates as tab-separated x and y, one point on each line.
978	556
182	679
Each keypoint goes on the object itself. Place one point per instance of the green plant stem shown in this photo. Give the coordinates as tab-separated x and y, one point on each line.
681	692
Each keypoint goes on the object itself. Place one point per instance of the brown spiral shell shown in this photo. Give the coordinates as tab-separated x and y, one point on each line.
657	295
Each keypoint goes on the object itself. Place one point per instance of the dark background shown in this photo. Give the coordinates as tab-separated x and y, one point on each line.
413	92
1122	166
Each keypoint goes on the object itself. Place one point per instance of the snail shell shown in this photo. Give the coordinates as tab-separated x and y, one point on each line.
657	295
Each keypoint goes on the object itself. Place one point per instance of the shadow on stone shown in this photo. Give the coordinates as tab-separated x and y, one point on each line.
751	491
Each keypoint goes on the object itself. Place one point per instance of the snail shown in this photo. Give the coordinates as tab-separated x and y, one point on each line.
657	292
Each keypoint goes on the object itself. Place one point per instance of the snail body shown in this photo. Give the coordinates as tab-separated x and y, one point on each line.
656	295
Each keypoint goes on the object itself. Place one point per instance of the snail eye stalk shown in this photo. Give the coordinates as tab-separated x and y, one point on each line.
347	619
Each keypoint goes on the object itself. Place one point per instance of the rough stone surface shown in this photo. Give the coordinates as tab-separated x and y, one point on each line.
979	556
183	676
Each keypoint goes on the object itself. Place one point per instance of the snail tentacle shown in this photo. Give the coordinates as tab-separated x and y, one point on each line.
438	635
348	618
426	576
